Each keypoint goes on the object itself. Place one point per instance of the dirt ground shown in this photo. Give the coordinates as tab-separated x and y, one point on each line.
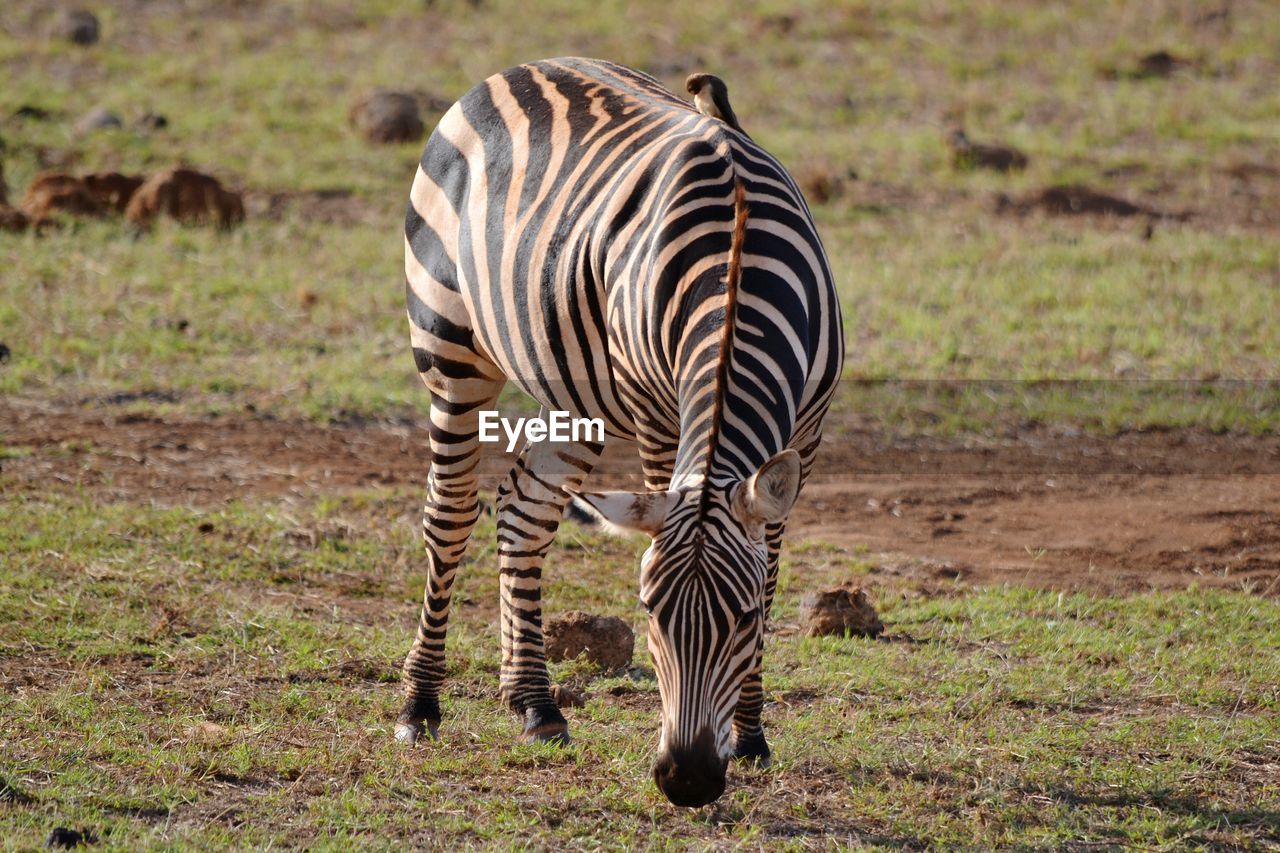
1127	513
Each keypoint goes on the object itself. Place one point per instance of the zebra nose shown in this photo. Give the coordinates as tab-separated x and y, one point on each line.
691	775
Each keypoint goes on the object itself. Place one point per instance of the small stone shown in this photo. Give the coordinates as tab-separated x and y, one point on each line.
607	641
31	113
98	118
208	733
80	26
150	121
384	116
840	611
63	838
12	219
567	697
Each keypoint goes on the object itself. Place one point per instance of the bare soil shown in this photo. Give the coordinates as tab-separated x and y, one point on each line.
1109	514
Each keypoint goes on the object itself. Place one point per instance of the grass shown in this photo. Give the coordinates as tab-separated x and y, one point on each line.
301	317
212	676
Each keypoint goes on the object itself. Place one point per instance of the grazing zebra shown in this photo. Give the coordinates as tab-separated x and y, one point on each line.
580	231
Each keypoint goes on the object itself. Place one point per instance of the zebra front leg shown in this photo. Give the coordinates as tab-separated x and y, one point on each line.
749	743
448	518
531	502
748	730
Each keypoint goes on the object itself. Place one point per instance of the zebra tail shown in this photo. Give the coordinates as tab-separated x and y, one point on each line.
582	513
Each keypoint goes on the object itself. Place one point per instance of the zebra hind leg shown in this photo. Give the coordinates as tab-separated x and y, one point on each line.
531	502
448	518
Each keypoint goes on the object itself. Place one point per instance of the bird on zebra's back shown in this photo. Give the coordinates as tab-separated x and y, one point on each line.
711	97
577	230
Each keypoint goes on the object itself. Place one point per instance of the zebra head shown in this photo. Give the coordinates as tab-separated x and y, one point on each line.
702	582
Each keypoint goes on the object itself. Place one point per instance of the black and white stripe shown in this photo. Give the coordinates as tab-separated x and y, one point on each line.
580	231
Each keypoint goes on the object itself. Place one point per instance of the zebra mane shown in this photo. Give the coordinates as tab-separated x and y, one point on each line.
733	279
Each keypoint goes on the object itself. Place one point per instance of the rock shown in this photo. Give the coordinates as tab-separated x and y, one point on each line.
31	113
98	118
1152	66
385	116
112	189
79	26
63	838
207	732
12	219
328	530
58	192
567	697
186	195
607	641
150	121
966	154
1161	63
839	611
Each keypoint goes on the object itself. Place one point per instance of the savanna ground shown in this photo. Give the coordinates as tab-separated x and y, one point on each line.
1054	463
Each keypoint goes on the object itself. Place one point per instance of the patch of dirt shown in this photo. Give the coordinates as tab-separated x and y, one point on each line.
1077	200
331	206
1132	512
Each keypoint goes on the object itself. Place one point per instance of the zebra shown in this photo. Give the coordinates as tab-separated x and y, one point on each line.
576	229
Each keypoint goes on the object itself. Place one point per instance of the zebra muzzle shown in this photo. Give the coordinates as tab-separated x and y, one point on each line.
692	775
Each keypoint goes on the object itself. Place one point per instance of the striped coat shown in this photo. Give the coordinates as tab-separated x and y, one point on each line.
576	229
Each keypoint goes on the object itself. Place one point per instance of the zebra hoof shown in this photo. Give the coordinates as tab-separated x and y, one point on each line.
556	734
409	733
752	750
545	724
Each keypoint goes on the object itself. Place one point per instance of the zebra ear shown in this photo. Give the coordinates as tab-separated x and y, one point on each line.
639	512
768	495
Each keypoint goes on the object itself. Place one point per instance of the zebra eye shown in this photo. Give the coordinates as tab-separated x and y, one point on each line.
645	605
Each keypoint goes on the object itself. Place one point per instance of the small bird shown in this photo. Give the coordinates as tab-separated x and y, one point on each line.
711	97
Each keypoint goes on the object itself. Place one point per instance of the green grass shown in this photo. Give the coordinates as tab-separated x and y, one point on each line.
934	285
187	677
